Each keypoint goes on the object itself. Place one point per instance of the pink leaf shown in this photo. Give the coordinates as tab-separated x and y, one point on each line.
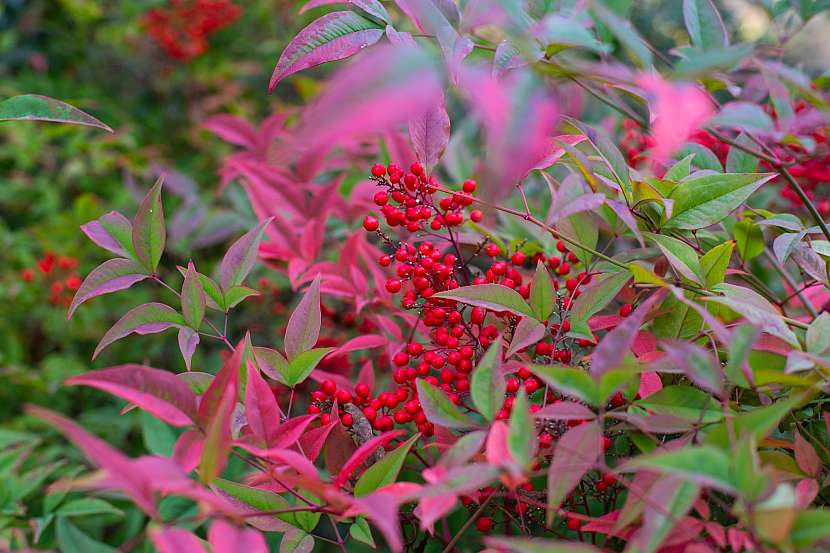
565	411
111	231
148	318
224	537
554	150
304	324
287	433
312	442
425	14
373	94
676	111
232	129
576	452
110	276
241	256
176	540
188	450
382	509
364	341
261	409
805	493
334	36
188	340
497	452
528	332
649	383
156	391
285	457
618	342
430	134
806	456
227	377
120	469
372	7
363	453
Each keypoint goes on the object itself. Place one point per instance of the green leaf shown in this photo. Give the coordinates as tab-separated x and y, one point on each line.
487	385
87	506
360	531
685	402
193	298
521	435
72	540
818	334
595	296
385	471
439	409
704	24
625	33
609	153
237	294
557	32
158	437
743	338
580	228
706	465
681	256
147	318
569	381
680	170
301	366
538	545
704	201
738	161
213	294
756	423
541	293
489	296
149	234
32	107
757	310
259	499
704	158
749	239
676	497
744	116
715	262
810	526
295	539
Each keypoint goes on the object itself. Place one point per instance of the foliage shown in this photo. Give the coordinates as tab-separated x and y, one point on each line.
610	334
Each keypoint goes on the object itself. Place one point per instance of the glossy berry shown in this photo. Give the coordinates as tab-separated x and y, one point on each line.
484	524
328	387
371	223
378	170
626	310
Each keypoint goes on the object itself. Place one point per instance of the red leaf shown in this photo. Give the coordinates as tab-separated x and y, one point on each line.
110	276
806	457
576	452
363	453
156	391
261	409
304	324
176	540
224	537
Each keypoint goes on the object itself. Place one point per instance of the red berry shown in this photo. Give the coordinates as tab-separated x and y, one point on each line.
393	286
518	258
27	275
362	390
371	223
416	169
347	420
378	170
492	250
574	524
343	397
328	387
381	198
626	310
469	186
476	215
484	524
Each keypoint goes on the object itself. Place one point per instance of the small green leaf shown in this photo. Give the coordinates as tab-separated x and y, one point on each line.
487	384
715	262
72	540
149	234
237	294
541	293
33	107
743	338
301	366
818	334
385	471
702	464
749	239
739	161
361	531
521	435
705	25
685	402
569	381
595	296
439	409
681	256
489	296
87	506
193	298
680	170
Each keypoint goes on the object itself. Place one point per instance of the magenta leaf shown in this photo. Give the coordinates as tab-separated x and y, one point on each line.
667	502
218	434
362	453
697	364
261	409
113	232
334	36
225	537
33	107
380	90
528	332
806	456
241	256
565	411
188	340
358	343
382	509
428	16
110	276
232	129
176	540
228	377
576	452
289	432
372	7
188	450
158	392
313	441
121	470
149	235
614	345
534	545
148	318
430	134
304	324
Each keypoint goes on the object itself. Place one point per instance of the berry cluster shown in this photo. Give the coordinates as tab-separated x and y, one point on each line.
182	29
58	274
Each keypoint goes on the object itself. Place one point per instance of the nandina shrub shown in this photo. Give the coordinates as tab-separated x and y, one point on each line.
540	331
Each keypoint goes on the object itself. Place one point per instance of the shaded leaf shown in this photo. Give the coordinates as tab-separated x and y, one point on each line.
304	324
487	385
574	454
439	409
489	296
149	234
33	107
148	318
110	276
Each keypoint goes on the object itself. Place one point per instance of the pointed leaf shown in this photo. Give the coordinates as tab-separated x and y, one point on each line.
706	200
487	385
385	471
714	263
304	324
148	318
362	453
528	332
301	367
110	276
261	409
521	435
541	293
569	381
33	107
705	25
439	409
193	298
430	134
241	256
576	453
149	234
113	232
681	256
489	296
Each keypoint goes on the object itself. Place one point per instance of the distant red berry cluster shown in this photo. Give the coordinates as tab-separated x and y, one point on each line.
182	29
58	274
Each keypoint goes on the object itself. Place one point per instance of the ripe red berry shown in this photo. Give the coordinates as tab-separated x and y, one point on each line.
378	170
476	215
393	286
371	223
362	390
416	169
574	524
328	387
381	198
626	310
492	250
344	396
469	186
347	420
401	358
518	258
27	275
484	524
